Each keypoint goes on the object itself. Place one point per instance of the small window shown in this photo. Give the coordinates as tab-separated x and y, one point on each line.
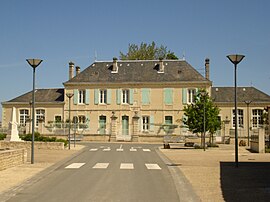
81	98
191	95
145	123
125	96
103	96
57	119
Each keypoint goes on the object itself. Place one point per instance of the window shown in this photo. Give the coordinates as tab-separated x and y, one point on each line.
125	96
57	119
145	123
257	120
240	117
24	116
81	99
79	121
191	95
103	96
40	116
168	120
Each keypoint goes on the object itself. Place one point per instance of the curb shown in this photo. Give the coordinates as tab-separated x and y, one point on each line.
184	188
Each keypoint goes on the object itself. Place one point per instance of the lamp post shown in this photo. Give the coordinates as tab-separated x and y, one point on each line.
69	95
34	63
235	59
248	103
203	94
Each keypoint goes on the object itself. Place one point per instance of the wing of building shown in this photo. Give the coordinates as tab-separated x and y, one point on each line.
129	100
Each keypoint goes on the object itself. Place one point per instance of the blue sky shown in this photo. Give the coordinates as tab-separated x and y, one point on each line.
59	31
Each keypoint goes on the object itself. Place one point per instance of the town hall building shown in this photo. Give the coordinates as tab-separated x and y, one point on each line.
130	100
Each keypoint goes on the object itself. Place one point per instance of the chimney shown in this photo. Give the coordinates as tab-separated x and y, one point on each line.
115	66
207	68
161	66
78	70
71	70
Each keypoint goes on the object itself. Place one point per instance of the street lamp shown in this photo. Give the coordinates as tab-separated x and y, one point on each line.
203	94
248	103
34	63
235	59
69	95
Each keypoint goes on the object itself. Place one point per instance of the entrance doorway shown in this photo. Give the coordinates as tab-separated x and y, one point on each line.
125	125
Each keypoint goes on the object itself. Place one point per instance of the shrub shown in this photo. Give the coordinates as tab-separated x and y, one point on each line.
2	136
40	138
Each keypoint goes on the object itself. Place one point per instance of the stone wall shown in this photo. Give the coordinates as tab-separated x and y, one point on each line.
10	158
27	145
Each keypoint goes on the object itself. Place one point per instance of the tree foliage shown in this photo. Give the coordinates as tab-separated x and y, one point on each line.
194	114
146	51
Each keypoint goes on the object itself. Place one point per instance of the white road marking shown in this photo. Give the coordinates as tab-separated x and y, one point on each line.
107	149
101	165
152	166
75	165
94	149
146	150
132	149
120	148
126	166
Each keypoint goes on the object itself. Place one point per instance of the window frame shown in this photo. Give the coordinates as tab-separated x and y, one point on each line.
40	116
103	96
145	123
125	96
81	96
191	95
24	116
240	117
257	118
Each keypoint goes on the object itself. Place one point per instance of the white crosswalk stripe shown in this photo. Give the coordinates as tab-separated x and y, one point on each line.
152	166
126	166
132	149
74	165
101	165
146	150
107	149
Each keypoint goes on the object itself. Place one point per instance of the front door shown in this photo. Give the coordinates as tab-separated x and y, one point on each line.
102	125
125	127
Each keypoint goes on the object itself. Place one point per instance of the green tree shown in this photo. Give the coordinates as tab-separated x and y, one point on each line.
146	51
194	115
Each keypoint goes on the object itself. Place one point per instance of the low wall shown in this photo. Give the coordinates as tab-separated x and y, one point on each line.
27	145
11	158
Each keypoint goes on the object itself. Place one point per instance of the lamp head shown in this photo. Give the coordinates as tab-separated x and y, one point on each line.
69	95
235	59
34	62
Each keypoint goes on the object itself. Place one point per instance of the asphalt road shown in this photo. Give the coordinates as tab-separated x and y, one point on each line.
106	172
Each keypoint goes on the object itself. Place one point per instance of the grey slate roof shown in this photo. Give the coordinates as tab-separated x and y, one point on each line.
137	71
42	95
226	95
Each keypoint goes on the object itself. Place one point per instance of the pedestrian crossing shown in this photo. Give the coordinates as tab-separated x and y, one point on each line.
122	166
120	149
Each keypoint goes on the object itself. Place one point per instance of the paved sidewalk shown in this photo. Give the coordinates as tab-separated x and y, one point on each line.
214	176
